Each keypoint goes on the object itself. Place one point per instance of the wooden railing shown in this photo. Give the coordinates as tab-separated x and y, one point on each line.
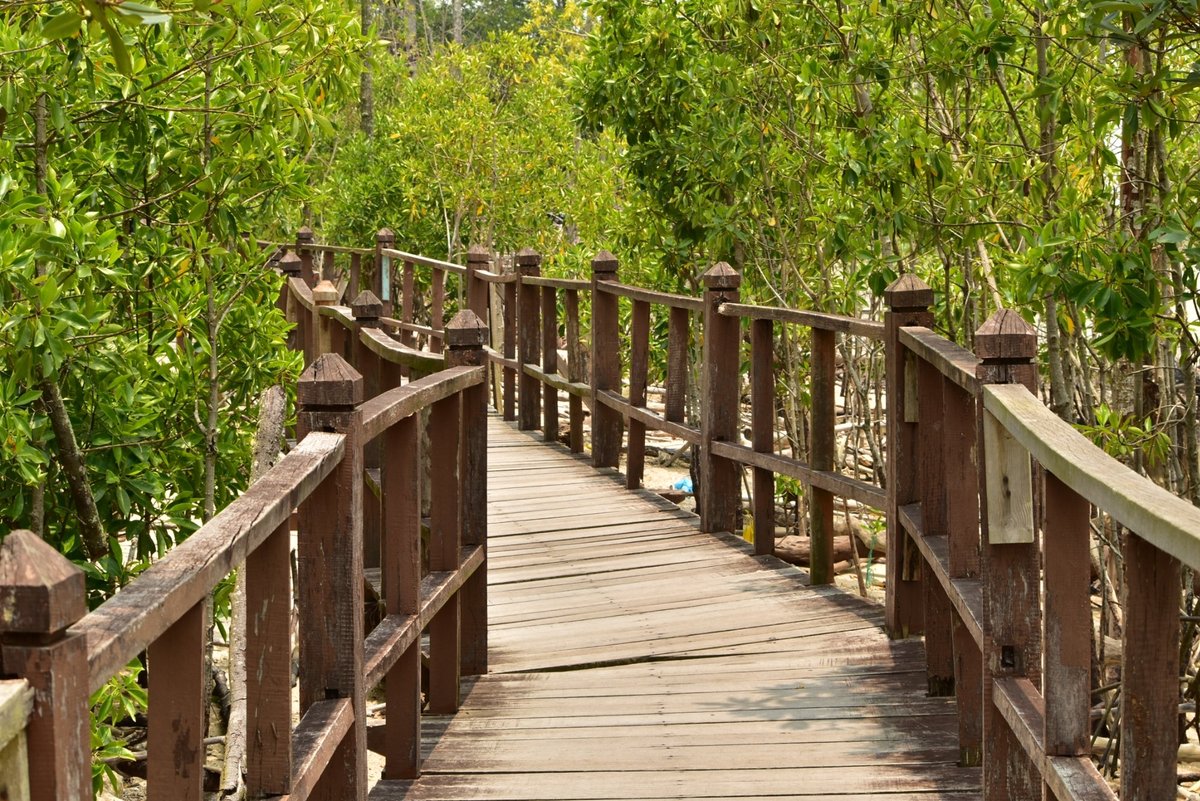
66	654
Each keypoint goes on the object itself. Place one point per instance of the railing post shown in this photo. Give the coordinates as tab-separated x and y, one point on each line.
478	258
42	595
720	487
822	446
325	294
762	429
510	349
574	369
367	309
330	569
932	490
606	363
289	266
908	300
639	364
465	337
1007	348
304	241
382	284
549	362
446	470
528	340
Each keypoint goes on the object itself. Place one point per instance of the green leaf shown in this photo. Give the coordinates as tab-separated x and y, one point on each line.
62	25
145	15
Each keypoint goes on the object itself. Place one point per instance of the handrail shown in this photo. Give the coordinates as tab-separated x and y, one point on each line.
125	624
424	261
388	408
953	361
392	351
652	296
810	319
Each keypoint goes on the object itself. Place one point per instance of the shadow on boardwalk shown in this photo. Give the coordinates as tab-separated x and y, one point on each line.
633	657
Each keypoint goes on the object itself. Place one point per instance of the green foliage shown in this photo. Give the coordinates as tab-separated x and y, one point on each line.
119	703
1122	436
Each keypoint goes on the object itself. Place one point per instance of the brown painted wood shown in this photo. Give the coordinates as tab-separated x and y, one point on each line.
528	341
908	300
719	495
330	572
549	363
355	285
606	364
1149	671
304	241
677	365
823	321
829	481
479	259
933	491
762	424
637	293
382	284
175	736
318	742
1068	621
1012	611
269	666
408	291
575	372
367	309
510	350
445	543
821	453
42	594
639	363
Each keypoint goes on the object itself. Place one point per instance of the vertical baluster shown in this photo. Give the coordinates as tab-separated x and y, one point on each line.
549	363
606	364
444	550
939	644
762	430
325	295
639	364
465	335
437	310
408	290
1007	347
908	300
367	309
304	241
43	594
175	734
355	275
962	527
528	340
821	455
720	487
289	265
330	571
511	294
478	258
328	267
269	666
575	372
677	365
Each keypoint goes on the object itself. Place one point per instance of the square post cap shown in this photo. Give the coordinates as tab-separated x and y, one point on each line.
290	264
1005	336
305	235
330	382
385	236
529	261
41	591
908	293
325	293
721	276
605	264
367	306
466	331
480	255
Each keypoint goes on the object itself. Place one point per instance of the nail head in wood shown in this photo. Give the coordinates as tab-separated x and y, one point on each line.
529	261
480	255
466	331
722	276
41	592
908	292
290	264
330	382
367	306
604	264
325	293
1006	336
385	237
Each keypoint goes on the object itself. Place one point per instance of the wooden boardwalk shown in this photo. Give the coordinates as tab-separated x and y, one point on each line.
633	657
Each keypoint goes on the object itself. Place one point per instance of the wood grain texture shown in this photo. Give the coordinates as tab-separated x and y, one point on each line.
822	443
719	495
268	666
639	363
762	413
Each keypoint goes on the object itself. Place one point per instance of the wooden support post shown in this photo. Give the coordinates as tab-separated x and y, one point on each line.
304	241
575	372
408	292
325	294
175	736
330	571
289	265
821	455
962	527
762	429
437	310
639	365
939	643
606	364
328	268
367	309
549	363
1007	347
445	543
355	285
401	575
478	258
465	336
528	340
42	595
383	278
1149	672
908	300
720	487
677	365
1068	622
268	577
510	350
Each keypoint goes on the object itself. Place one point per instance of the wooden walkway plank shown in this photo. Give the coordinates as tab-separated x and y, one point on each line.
634	658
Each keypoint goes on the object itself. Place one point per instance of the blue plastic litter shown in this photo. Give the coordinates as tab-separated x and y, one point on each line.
684	484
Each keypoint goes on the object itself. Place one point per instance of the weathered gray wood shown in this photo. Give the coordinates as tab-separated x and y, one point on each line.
175	736
719	495
953	361
1009	486
318	741
16	704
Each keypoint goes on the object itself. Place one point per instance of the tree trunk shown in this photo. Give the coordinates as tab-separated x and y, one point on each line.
458	22
366	93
